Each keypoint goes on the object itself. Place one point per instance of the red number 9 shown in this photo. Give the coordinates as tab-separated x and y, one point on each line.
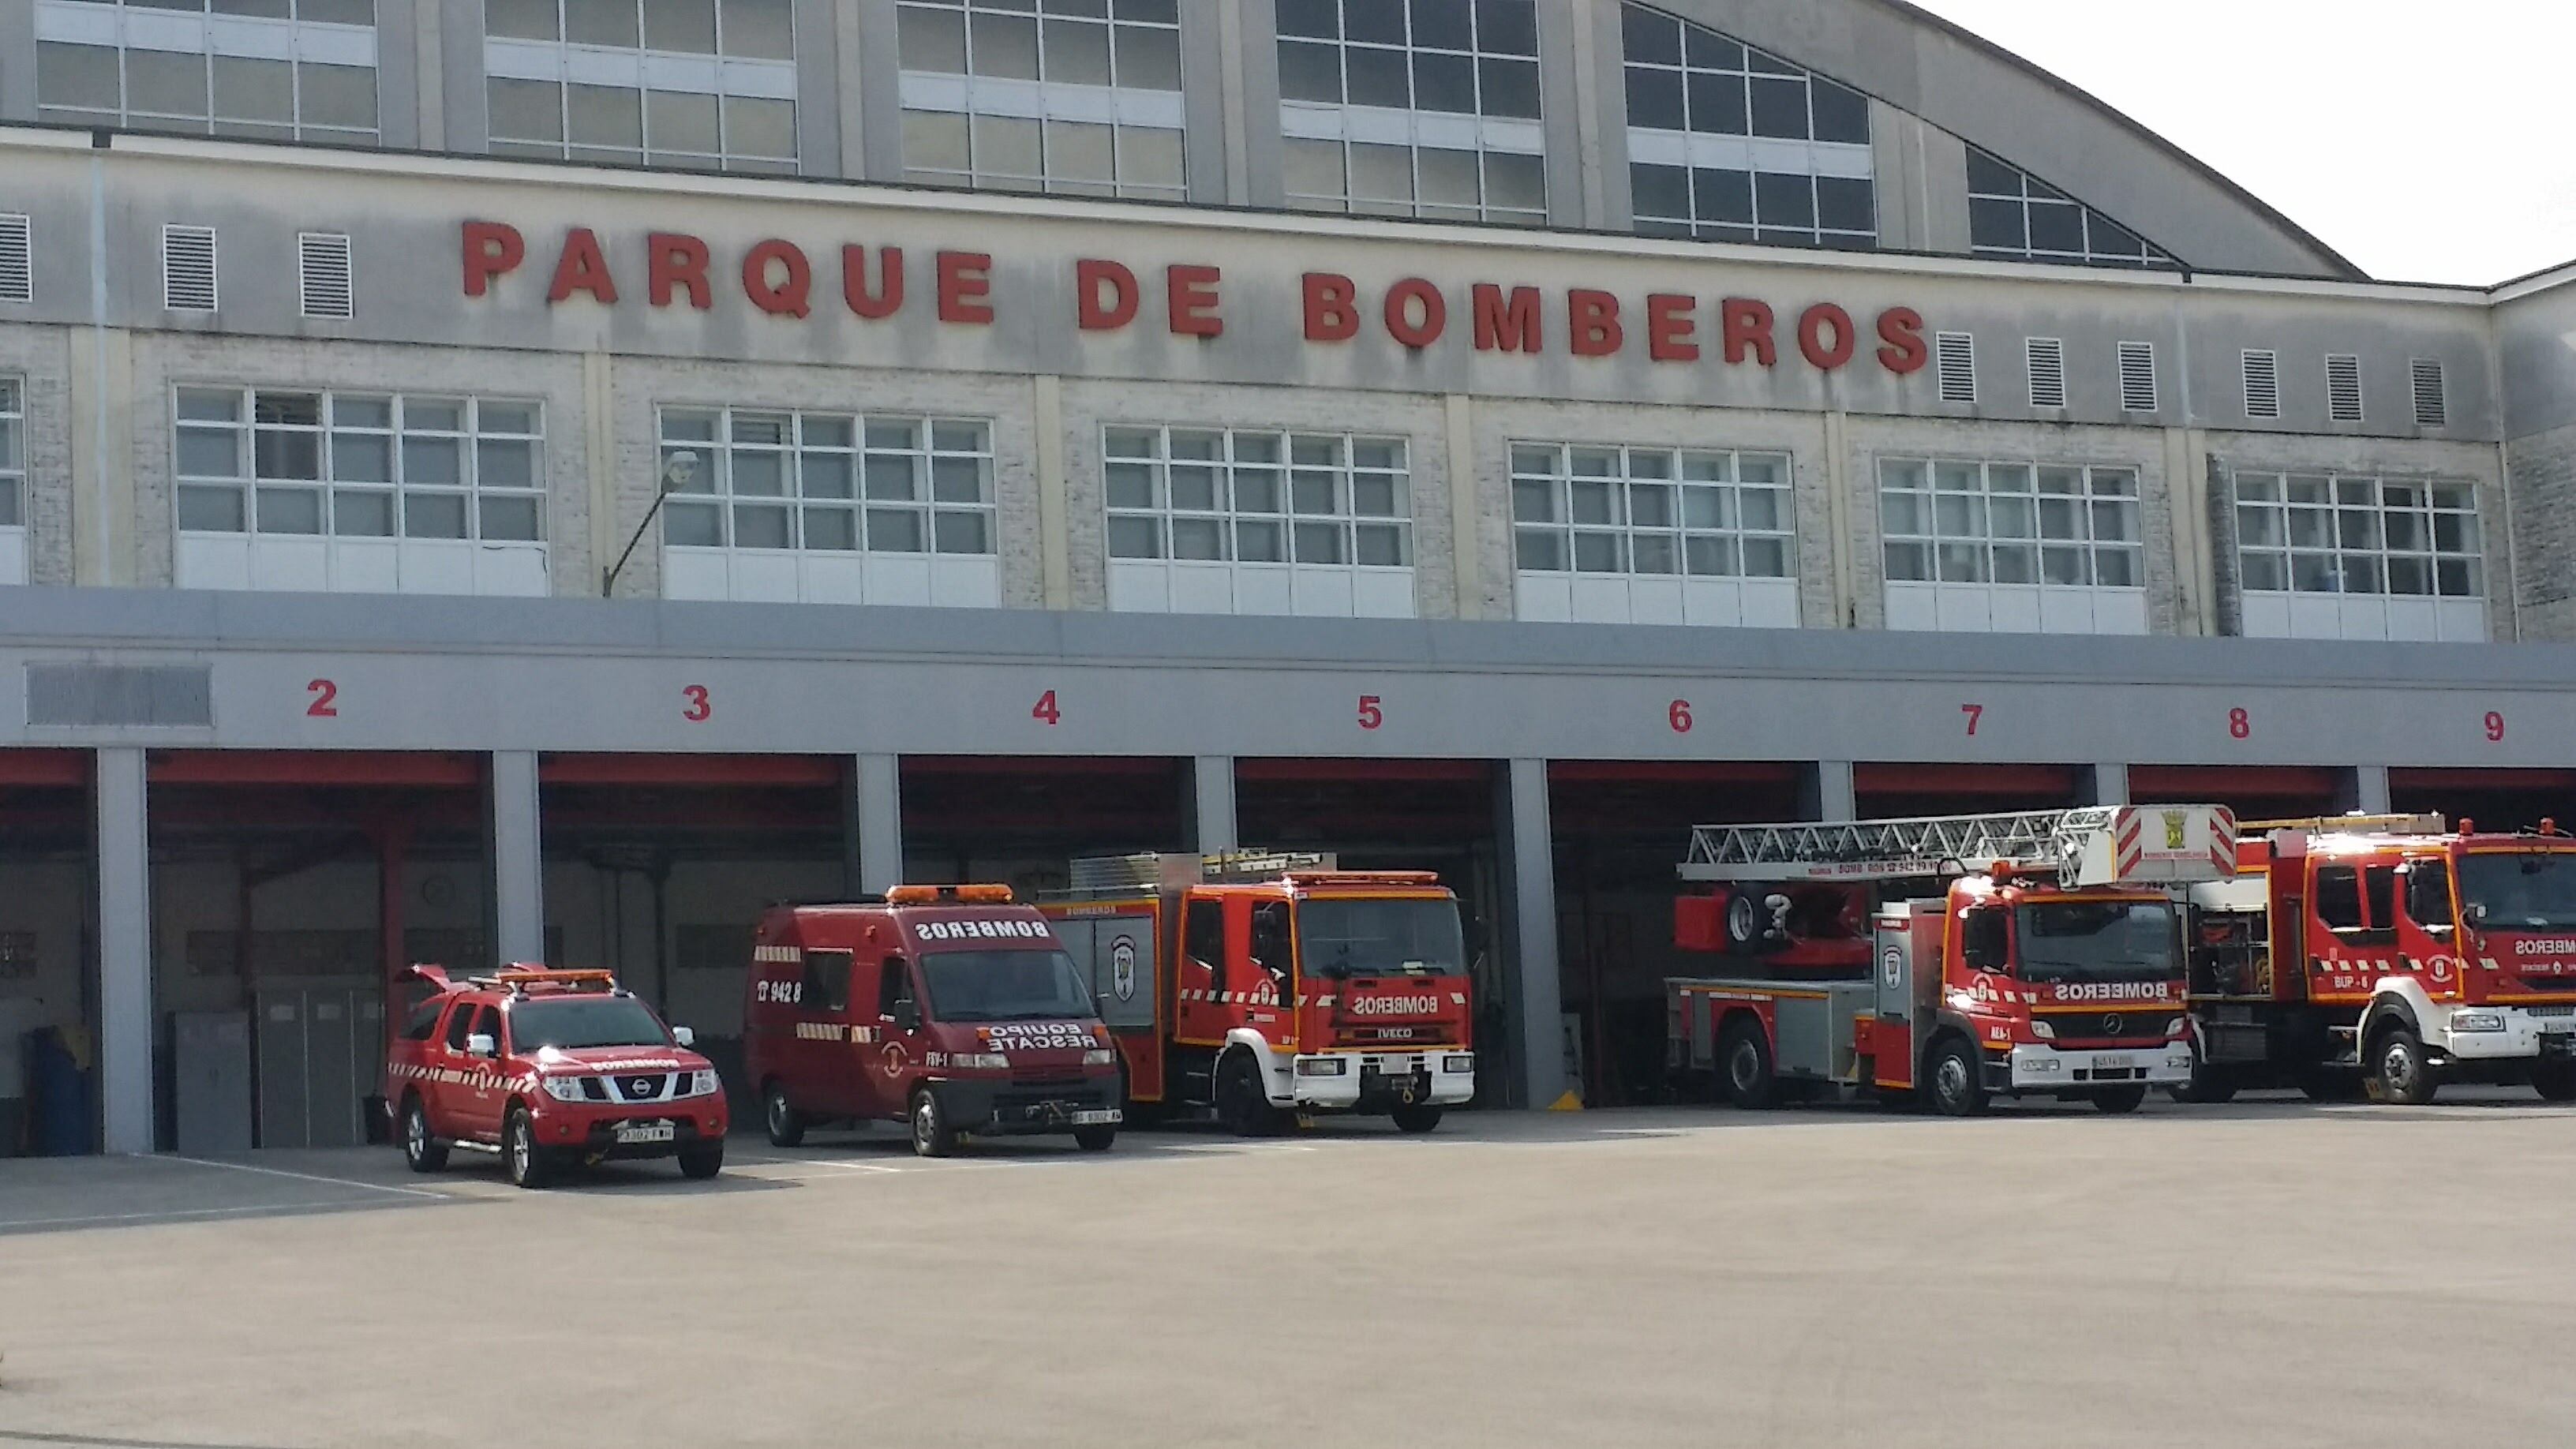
2495	727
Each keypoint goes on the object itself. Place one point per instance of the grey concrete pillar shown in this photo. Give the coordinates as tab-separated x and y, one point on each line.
2110	784
880	807
125	1071
17	60
1832	797
518	860
1213	802
2369	793
1529	929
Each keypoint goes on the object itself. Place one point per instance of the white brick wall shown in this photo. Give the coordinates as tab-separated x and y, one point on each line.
42	358
2544	533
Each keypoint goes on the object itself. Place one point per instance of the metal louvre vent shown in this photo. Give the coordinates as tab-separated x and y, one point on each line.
2137	377
1957	352
2047	358
188	268
2343	387
180	695
17	260
2432	395
325	273
2262	384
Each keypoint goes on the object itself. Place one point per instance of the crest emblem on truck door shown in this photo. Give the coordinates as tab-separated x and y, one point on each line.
2173	829
1122	968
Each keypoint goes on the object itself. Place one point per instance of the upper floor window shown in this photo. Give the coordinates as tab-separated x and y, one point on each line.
1255	521
1075	96
13	481
2339	556
274	69
828	507
1726	143
1654	535
296	489
2012	213
1413	108
695	83
2012	547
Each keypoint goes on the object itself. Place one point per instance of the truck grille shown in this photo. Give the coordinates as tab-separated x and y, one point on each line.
2144	1027
641	1086
1049	1081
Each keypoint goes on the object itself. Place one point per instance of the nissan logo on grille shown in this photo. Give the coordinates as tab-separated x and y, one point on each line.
638	1088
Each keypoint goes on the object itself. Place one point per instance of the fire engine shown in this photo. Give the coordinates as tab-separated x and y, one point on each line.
2386	954
1260	986
547	1069
2049	964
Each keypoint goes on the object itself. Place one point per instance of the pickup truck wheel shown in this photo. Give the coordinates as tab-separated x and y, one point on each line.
422	1152
700	1163
2400	1073
931	1134
2119	1101
528	1164
786	1124
1744	1066
2555	1081
1242	1107
1958	1079
1095	1139
1418	1118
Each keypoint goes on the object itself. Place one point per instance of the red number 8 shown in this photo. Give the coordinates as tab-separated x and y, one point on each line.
2240	724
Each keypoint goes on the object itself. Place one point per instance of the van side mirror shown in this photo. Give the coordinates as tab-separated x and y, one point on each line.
907	1015
481	1044
684	1036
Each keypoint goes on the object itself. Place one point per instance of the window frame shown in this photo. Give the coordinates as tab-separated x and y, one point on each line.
714	489
2271	520
13	451
299	43
1133	115
2006	187
1226	525
1722	483
1932	543
727	81
251	489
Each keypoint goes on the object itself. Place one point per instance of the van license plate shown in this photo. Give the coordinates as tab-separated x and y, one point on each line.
2113	1064
645	1132
1095	1118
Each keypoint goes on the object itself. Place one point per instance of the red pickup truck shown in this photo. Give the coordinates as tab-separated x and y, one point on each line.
549	1070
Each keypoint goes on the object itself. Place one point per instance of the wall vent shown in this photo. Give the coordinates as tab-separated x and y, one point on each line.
188	268
1957	353
2137	377
2432	395
2262	384
2047	357
323	264
2343	387
17	260
95	695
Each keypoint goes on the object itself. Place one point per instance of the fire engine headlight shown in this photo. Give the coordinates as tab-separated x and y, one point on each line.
564	1089
2042	1030
1322	1066
2043	1064
1100	1057
981	1061
2177	1027
2477	1021
1459	1063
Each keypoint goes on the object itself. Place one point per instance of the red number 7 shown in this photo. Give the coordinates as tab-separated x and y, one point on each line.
1974	712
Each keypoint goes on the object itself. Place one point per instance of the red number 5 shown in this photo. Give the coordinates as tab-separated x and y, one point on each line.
701	705
1371	715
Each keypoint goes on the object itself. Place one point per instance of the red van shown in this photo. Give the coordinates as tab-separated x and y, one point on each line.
952	1008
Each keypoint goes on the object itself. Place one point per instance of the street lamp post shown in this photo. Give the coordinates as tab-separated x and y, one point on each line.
677	474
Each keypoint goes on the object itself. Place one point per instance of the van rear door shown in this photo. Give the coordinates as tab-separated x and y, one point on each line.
826	1055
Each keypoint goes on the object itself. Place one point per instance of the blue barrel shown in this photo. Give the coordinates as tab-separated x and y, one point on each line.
61	1126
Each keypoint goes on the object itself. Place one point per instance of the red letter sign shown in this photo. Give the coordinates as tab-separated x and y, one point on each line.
1191	290
1507	326
1403	300
1330	315
673	261
887	299
792	294
1669	328
492	249
1090	312
1812	326
1901	328
583	269
1748	331
1593	318
965	287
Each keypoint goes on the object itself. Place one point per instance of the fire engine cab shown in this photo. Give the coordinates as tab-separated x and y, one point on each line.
2388	954
1259	986
953	1009
2047	961
549	1069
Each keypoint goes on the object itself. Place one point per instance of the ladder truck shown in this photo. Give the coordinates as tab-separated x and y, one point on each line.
2386	955
1950	960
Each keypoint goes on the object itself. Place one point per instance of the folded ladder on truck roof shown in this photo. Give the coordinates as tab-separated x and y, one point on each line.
2095	845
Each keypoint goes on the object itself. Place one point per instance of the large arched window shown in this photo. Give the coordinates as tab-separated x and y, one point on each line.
1726	143
2012	213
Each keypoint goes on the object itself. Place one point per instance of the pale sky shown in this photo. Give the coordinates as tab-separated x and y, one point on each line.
2426	142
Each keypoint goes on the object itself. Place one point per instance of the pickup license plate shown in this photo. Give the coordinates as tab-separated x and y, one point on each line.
1096	1117
2113	1064
645	1132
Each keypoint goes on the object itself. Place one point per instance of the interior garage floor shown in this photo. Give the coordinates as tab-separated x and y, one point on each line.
2269	1273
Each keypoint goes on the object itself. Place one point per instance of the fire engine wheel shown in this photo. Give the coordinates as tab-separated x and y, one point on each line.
1242	1107
1744	1065
421	1151
2400	1073
1418	1118
2555	1081
1095	1139
786	1124
528	1164
2208	1086
1958	1079
931	1134
2119	1101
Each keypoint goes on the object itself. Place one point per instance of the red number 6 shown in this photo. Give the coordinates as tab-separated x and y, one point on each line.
1680	716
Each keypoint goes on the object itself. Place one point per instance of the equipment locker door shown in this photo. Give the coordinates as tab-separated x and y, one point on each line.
1897	1030
1120	961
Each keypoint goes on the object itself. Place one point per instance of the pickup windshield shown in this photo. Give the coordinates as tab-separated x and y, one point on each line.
594	1021
2098	941
1003	986
1380	938
2530	890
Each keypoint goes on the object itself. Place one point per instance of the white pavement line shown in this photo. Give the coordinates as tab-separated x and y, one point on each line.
817	1162
8	1225
310	1177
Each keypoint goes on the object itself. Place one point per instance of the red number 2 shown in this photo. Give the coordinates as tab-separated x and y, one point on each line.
2495	727
326	700
702	706
1048	711
1975	713
1371	715
2240	725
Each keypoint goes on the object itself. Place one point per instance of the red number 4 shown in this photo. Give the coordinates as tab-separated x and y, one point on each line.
1976	714
1048	711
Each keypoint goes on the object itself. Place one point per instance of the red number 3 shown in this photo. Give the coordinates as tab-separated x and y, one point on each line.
701	705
